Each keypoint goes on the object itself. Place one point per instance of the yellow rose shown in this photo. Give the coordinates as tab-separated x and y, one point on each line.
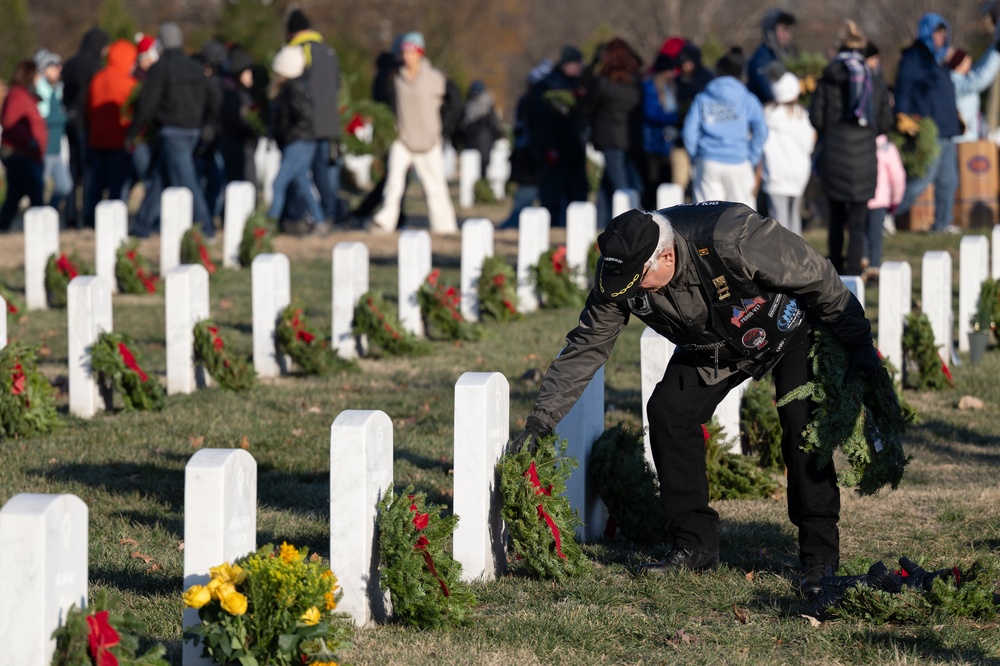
197	596
213	587
229	573
310	617
234	603
239	574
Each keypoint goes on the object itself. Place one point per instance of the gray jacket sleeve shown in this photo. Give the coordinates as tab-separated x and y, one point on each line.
587	348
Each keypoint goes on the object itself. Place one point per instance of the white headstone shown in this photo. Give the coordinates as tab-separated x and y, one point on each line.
669	195
581	234
469	168
856	285
935	292
3	322
450	162
350	282
241	198
88	313
534	225
271	286
360	473
477	244
973	268
995	256
176	210
414	267
360	167
654	354
894	304
482	424
623	200
41	241
111	230
728	416
187	304
581	428
220	520
498	170
43	572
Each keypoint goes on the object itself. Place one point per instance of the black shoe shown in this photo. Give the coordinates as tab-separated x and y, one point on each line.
682	558
811	584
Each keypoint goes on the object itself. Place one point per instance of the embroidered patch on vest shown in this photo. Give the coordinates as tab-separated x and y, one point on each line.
791	316
702	251
755	338
721	287
749	307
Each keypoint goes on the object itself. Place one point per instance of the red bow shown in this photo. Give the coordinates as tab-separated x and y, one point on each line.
559	260
102	637
259	233
300	331
420	521
357	123
66	267
130	363
17	380
206	261
216	340
148	281
11	308
945	370
532	475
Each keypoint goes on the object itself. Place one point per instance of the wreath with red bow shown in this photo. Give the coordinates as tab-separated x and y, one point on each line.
14	304
118	369
311	353
555	280
439	306
27	400
96	635
376	319
497	287
59	271
257	237
194	250
133	272
229	371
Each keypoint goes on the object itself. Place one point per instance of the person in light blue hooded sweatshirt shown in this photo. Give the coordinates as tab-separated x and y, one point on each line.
724	133
50	105
970	81
924	89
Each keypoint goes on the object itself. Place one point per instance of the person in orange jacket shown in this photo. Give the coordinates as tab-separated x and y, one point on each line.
109	162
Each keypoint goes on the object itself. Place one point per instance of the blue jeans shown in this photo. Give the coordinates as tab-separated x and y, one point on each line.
209	165
109	170
296	160
524	196
943	172
144	162
62	181
24	179
619	174
873	236
176	161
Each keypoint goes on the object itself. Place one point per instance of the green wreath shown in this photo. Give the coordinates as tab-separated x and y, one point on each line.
14	303
760	425
97	635
923	368
133	272
59	271
235	373
918	152
732	475
119	369
311	354
539	519
27	400
194	250
497	289
417	569
257	238
555	280
439	306
375	318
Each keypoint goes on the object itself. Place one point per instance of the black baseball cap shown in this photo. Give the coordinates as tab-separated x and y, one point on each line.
626	245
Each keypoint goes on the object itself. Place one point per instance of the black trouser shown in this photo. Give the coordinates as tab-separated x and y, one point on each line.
682	402
854	214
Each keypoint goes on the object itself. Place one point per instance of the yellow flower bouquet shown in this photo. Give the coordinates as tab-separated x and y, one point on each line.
275	607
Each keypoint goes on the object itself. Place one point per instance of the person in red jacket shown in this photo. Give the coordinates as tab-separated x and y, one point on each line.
109	162
25	138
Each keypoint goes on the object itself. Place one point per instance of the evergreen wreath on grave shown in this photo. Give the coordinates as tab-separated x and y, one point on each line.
731	475
987	309
439	306
276	606
235	373
257	238
627	485
194	250
312	354
540	521
918	151
760	426
377	319
27	400
98	636
118	369
417	569
133	272
497	289
59	271
923	367
863	419
368	128
14	304
482	193
556	281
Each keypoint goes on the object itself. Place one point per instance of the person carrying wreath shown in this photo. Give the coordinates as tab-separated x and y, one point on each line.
738	294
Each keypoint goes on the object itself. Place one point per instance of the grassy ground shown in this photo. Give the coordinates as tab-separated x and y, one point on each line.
129	469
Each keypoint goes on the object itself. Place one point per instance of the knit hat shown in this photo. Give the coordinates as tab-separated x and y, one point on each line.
145	44
297	22
412	41
171	36
786	89
289	62
570	54
954	61
45	58
663	63
626	245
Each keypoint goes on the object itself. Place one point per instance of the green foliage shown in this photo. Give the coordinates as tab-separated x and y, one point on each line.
863	419
259	27
483	193
116	20
920	151
555	280
627	485
923	368
194	250
14	303
808	66
257	235
73	644
424	580
497	288
138	390
132	270
59	271
311	354
760	424
731	475
27	400
988	306
17	41
376	132
531	538
234	373
375	318
439	306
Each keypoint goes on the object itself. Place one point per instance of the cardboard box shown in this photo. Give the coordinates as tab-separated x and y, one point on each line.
921	215
978	184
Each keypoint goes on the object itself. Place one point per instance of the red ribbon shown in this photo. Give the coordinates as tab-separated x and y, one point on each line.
206	261
66	267
148	281
420	521
11	308
357	123
300	331
17	380
259	233
130	363
102	637
532	475
216	340
945	370
559	260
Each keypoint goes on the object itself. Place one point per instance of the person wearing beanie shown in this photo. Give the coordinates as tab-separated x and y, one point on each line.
49	88
419	93
787	153
147	53
691	79
322	73
724	133
767	62
240	116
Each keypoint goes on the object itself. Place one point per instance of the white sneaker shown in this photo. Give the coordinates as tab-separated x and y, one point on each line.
951	229
889	224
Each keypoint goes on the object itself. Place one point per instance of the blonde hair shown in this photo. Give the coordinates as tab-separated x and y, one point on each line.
851	36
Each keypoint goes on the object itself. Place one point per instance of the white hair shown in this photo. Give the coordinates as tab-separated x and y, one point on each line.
665	240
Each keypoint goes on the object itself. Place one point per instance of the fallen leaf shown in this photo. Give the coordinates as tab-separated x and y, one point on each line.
244	443
812	621
744	650
53	461
938	627
44	351
24	319
749	576
531	357
297	432
180	545
425	408
196	442
128	542
741	615
314	409
154	567
136	555
683	638
225	303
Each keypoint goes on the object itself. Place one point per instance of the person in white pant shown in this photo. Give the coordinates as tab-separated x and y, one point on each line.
419	91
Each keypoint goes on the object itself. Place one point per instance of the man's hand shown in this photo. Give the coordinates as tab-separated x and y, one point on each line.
534	430
862	359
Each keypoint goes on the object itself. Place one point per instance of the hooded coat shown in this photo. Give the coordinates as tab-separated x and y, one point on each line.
77	73
766	63
109	91
923	84
24	129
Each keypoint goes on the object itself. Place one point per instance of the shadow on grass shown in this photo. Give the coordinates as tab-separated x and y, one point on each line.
927	643
153	481
950	441
628	400
130	579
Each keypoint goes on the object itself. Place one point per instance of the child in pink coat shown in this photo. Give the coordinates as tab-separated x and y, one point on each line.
889	189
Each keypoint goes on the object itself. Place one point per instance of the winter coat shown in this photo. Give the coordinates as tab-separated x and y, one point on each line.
50	105
719	122
480	127
24	129
77	73
659	122
788	150
847	150
556	126
761	256
292	113
176	93
968	89
418	107
891	182
523	164
323	75
109	91
767	62
689	85
616	114
923	85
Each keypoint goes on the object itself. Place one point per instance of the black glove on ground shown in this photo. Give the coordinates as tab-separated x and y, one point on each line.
918	577
862	360
534	430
